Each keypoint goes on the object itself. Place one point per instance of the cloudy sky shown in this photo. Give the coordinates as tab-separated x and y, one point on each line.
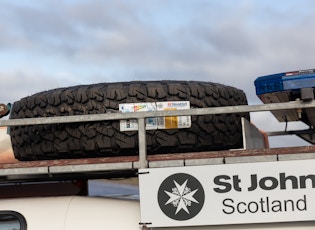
48	44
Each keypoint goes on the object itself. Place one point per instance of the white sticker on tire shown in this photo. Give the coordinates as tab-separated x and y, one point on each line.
174	122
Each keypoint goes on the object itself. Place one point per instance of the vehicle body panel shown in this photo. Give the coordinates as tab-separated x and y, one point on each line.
75	212
81	213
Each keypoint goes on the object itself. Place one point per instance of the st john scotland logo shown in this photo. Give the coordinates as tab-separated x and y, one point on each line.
181	196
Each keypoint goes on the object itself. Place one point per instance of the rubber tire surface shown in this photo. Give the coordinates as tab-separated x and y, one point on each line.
103	139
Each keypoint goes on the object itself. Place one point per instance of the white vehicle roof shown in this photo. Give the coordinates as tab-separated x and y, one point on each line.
75	212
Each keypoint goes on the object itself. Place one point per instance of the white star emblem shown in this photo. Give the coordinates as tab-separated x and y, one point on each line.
181	197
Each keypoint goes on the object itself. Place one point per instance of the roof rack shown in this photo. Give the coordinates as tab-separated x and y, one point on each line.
254	149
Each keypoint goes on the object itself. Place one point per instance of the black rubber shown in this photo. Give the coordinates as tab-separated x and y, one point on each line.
102	139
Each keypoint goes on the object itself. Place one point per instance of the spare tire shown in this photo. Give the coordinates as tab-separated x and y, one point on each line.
102	139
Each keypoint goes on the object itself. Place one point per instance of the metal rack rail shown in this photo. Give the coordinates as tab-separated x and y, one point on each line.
128	165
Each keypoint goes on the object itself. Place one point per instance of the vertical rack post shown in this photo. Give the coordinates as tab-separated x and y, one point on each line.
143	163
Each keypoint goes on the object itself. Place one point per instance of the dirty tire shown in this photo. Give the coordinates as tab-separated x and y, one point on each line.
104	139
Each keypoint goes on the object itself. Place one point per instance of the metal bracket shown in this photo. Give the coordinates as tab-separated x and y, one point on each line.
307	135
253	138
307	94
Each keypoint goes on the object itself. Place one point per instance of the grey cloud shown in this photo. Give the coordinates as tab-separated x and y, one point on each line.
220	41
22	83
107	15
